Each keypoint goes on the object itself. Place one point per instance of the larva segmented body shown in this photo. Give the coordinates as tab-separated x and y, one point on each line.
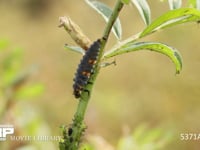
86	68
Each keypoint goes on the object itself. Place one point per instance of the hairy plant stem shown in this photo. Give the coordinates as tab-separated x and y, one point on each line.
73	134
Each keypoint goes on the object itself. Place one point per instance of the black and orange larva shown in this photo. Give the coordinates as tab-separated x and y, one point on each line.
86	68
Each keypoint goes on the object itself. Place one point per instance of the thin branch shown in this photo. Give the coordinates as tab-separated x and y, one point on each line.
75	32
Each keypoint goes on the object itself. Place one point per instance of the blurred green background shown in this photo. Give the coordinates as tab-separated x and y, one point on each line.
141	88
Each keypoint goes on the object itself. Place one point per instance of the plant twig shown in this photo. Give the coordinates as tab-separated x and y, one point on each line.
73	134
75	32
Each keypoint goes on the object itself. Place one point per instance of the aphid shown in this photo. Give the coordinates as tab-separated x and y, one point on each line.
71	140
86	68
70	130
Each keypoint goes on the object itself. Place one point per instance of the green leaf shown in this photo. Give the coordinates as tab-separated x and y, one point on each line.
127	143
144	10
75	49
172	17
139	132
125	1
152	135
166	138
32	91
3	44
172	53
13	59
106	12
10	66
174	4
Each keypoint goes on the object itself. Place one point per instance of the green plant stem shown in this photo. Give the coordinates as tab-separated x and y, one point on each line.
113	18
82	103
71	142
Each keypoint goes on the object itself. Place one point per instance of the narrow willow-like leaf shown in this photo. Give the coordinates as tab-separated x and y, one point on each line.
172	17
75	49
106	12
144	10
172	53
125	1
174	4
